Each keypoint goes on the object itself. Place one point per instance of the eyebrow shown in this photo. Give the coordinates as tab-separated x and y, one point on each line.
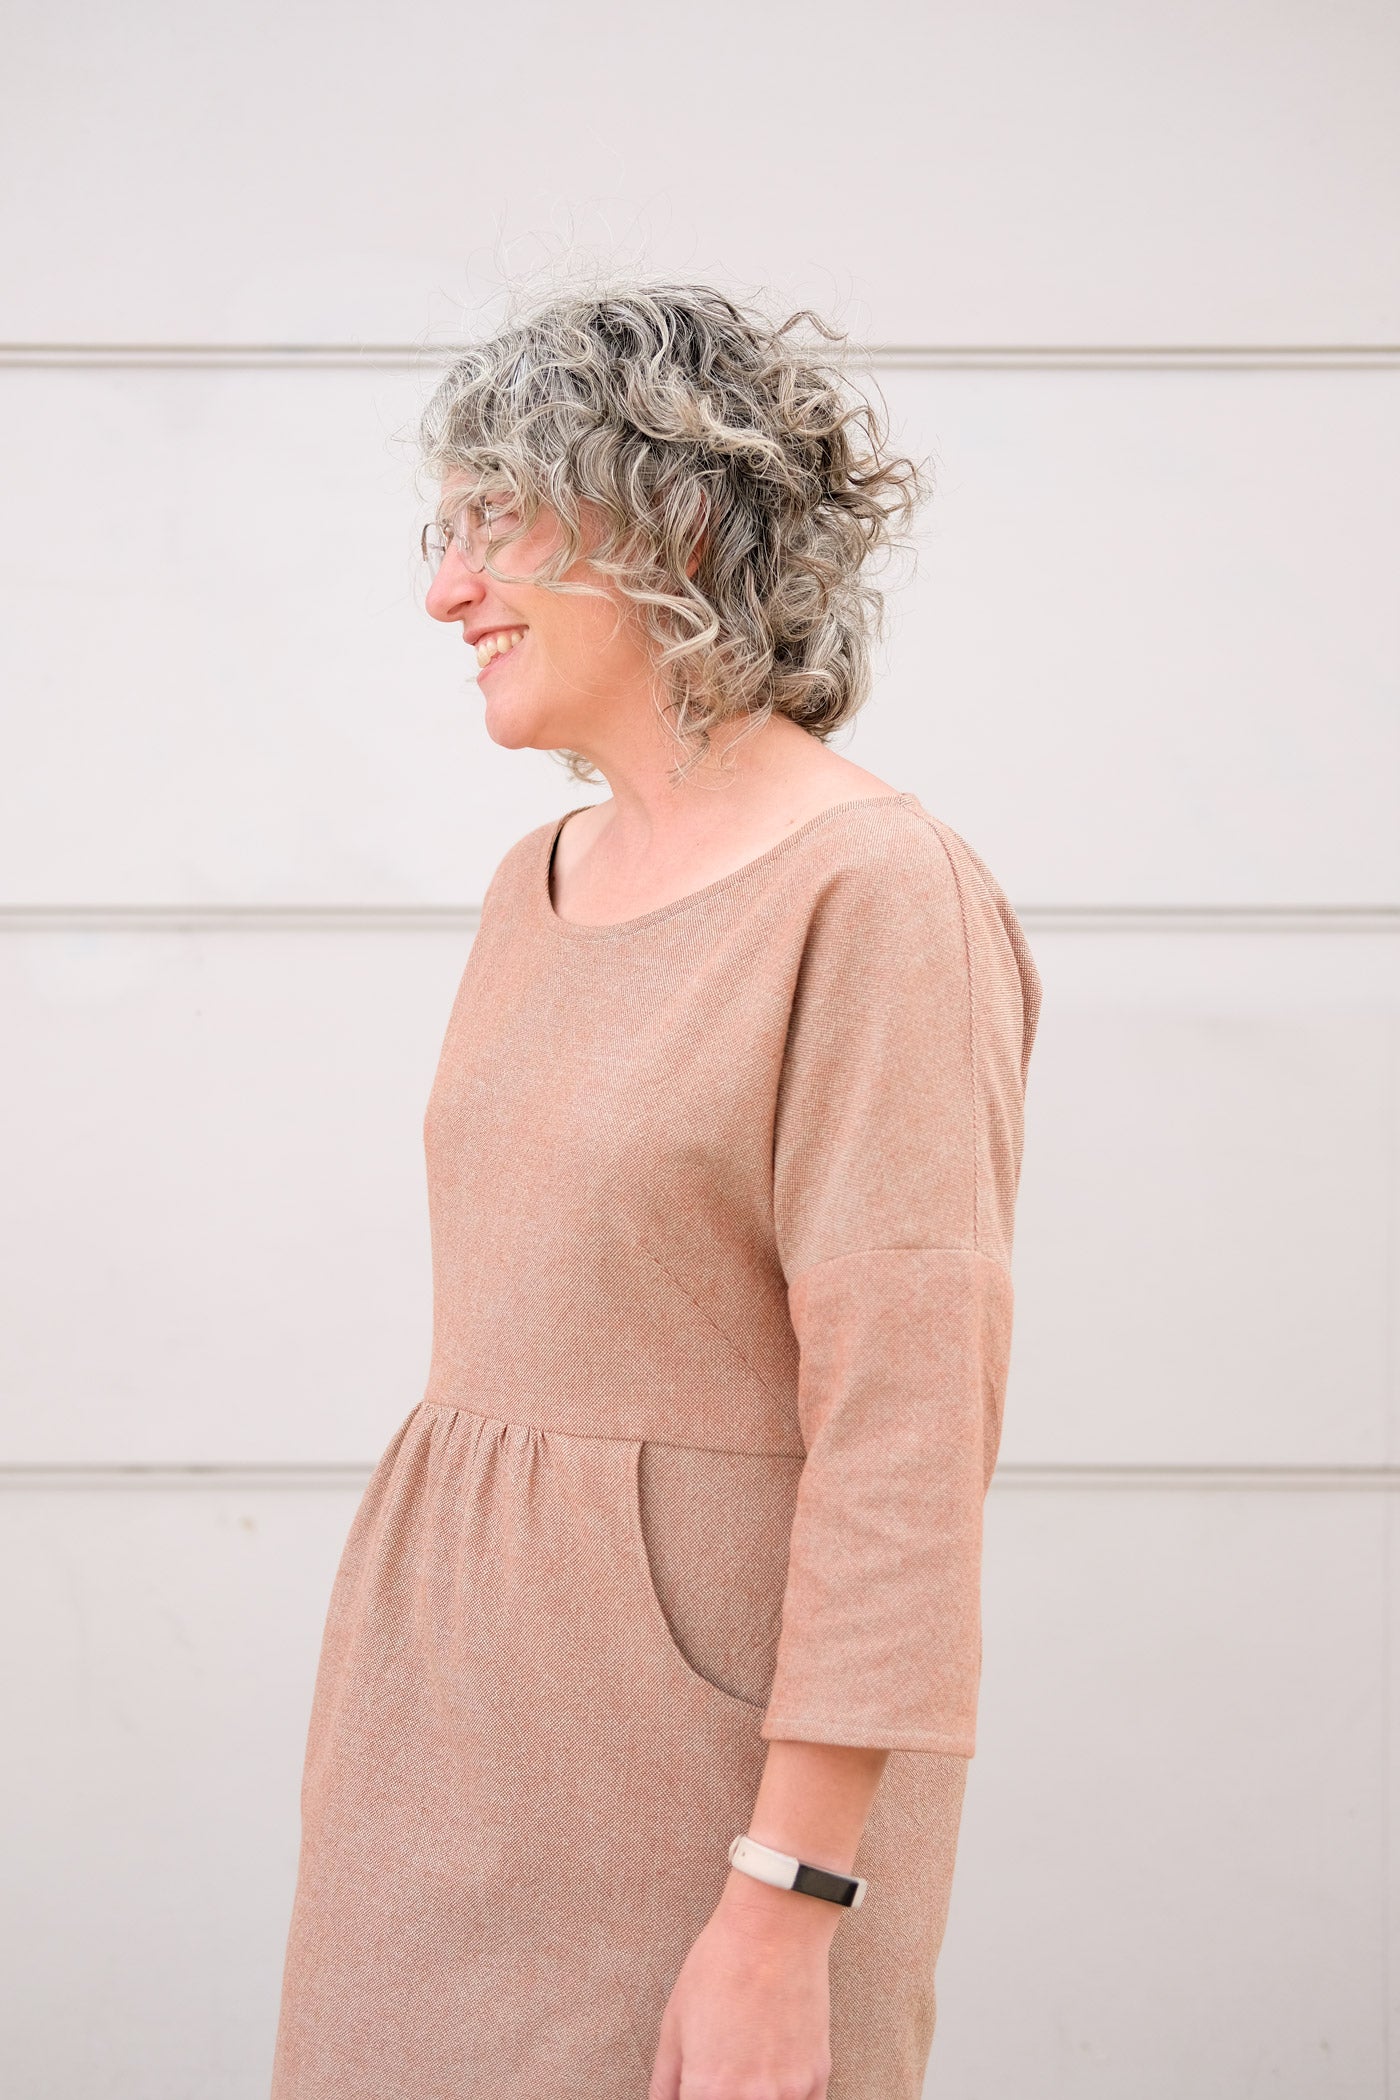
446	512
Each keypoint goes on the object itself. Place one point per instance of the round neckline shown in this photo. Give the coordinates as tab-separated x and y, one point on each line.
611	929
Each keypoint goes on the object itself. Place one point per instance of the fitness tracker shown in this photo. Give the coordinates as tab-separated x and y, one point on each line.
781	1871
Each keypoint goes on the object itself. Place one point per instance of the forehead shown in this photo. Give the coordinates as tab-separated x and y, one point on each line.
487	477
456	489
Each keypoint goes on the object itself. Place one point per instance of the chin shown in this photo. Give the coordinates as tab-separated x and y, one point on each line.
519	729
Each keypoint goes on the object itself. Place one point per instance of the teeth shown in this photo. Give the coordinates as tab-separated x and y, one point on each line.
493	645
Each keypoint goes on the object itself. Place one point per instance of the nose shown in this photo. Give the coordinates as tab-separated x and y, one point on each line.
454	590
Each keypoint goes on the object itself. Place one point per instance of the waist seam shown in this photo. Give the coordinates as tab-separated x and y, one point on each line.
590	1436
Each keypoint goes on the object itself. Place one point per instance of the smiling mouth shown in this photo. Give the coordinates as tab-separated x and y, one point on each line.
498	643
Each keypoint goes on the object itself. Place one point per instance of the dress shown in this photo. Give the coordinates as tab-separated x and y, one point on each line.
721	1203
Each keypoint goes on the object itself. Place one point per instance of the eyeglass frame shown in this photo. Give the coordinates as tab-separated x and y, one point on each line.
450	538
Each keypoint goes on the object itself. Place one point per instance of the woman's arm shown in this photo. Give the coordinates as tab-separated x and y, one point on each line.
749	2012
896	1151
813	1801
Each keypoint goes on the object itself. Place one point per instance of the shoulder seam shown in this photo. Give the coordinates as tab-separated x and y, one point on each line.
994	1261
971	1032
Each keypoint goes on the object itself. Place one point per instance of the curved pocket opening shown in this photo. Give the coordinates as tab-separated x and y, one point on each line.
712	1530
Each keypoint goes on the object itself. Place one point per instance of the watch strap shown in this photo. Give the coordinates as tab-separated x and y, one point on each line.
782	1871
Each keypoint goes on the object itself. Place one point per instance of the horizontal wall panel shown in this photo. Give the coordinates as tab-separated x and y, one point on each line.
230	688
1170	1875
994	174
1173	1867
1206	1262
160	1654
1147	653
215	1219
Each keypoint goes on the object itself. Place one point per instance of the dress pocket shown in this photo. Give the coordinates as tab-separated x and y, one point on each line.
712	1530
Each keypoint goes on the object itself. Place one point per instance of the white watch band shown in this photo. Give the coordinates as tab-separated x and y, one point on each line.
781	1871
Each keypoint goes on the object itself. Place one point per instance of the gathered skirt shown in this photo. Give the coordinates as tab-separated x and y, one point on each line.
534	1732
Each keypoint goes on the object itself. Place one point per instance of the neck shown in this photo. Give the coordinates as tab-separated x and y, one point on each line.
741	772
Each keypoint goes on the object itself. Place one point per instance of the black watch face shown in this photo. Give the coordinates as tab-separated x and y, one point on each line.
832	1888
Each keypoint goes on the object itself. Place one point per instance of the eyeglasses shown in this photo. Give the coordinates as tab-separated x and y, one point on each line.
470	532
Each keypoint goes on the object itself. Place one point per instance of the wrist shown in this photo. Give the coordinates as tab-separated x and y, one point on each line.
777	1914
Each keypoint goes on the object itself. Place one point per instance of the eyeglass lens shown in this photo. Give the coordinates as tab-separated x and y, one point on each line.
469	530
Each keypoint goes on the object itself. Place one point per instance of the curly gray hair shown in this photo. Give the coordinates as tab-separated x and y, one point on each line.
706	437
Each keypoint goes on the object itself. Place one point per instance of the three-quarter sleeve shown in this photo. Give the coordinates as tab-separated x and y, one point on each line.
897	1148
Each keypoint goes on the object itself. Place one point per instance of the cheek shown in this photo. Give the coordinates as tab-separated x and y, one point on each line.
582	635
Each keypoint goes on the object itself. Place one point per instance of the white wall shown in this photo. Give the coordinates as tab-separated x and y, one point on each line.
1130	274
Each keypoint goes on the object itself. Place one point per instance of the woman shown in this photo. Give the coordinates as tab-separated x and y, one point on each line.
682	1543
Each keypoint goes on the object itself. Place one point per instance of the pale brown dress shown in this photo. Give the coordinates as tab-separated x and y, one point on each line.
721	1203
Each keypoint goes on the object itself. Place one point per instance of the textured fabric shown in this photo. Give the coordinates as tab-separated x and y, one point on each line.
721	1204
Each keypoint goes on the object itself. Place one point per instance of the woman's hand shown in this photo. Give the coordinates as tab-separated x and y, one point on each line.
748	2017
749	2014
